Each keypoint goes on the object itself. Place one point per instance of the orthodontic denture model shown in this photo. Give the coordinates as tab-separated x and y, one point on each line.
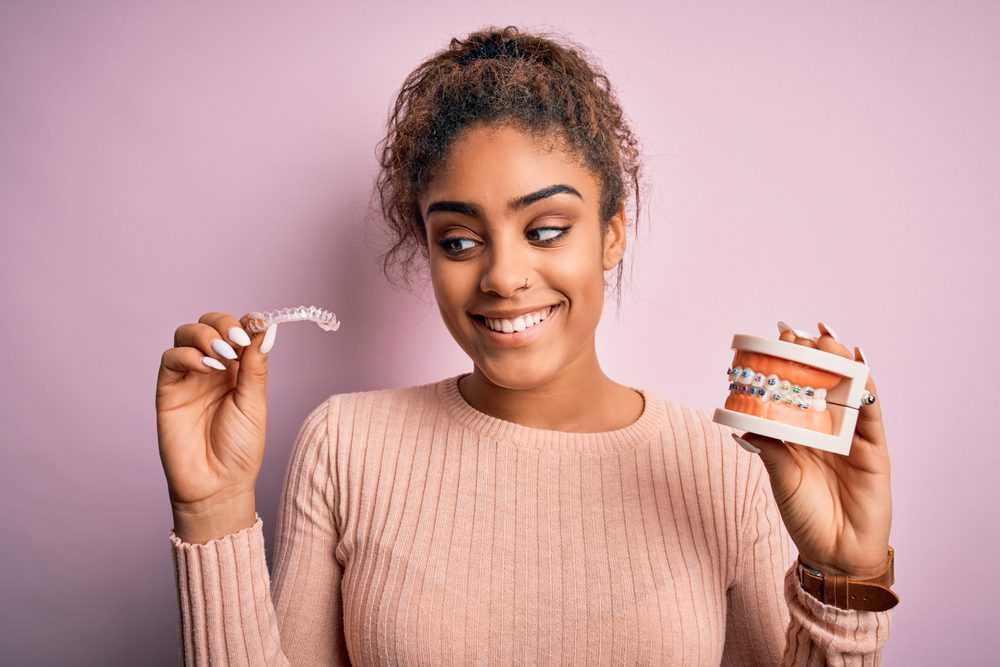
324	319
780	389
794	393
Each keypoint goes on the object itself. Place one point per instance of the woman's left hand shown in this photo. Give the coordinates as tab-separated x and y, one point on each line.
837	509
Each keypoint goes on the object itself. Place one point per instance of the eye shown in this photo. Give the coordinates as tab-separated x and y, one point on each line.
448	245
452	246
562	231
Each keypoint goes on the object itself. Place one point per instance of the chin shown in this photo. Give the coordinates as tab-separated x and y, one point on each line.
515	374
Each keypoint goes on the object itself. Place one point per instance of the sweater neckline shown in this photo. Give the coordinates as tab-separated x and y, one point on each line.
642	430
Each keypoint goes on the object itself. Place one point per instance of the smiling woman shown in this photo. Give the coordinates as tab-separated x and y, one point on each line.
532	510
504	170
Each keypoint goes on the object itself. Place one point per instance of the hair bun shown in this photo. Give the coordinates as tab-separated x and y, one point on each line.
497	44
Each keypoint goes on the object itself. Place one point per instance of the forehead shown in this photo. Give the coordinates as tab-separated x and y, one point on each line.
490	165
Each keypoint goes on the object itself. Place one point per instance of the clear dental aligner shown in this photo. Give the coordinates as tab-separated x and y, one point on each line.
773	388
324	319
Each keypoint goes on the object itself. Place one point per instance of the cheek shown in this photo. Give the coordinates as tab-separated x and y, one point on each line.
581	279
453	283
579	274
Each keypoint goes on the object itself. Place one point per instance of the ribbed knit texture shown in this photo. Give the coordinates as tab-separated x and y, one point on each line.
415	530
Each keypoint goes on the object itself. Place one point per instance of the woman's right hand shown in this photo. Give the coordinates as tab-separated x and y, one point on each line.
211	423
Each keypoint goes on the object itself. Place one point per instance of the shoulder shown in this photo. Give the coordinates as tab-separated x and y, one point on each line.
351	408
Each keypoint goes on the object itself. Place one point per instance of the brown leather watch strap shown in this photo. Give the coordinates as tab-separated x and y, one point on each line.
870	594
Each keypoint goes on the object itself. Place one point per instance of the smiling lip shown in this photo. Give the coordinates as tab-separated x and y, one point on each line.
517	338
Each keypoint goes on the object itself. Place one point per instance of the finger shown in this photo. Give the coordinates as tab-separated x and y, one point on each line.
797	336
869	450
206	339
781	466
870	424
177	362
828	343
251	383
230	330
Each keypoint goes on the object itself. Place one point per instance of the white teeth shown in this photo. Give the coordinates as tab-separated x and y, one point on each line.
521	322
772	389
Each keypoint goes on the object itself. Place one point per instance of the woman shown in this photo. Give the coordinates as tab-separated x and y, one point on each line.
533	510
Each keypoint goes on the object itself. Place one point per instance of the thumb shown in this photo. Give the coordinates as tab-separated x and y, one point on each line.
776	456
251	381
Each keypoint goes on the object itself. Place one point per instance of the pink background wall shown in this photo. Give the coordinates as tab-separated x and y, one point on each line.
158	162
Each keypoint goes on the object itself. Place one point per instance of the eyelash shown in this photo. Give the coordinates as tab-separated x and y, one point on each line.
444	243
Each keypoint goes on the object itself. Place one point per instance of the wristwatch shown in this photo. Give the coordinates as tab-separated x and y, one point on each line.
871	594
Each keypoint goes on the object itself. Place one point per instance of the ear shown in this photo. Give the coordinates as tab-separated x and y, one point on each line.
614	239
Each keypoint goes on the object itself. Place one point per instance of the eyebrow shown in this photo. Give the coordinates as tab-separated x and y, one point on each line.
515	204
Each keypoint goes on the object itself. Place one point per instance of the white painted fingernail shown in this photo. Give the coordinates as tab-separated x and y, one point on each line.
212	362
744	444
239	336
223	348
269	336
861	353
782	327
829	330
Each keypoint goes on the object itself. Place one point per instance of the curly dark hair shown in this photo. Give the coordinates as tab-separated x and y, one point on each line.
500	77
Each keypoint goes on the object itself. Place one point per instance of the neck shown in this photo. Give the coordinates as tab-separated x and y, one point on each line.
578	398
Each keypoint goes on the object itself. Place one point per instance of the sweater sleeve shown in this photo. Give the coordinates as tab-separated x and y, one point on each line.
772	620
231	613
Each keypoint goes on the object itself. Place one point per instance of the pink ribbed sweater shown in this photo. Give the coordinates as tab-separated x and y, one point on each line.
416	530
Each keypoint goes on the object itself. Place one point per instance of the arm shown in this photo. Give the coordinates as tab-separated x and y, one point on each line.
231	614
771	620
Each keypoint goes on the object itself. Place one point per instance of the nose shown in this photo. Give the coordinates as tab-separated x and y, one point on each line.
506	268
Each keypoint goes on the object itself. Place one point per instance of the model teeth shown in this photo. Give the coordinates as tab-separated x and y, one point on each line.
772	388
519	323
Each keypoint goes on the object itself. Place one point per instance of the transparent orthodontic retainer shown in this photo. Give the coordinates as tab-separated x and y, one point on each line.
843	400
326	320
